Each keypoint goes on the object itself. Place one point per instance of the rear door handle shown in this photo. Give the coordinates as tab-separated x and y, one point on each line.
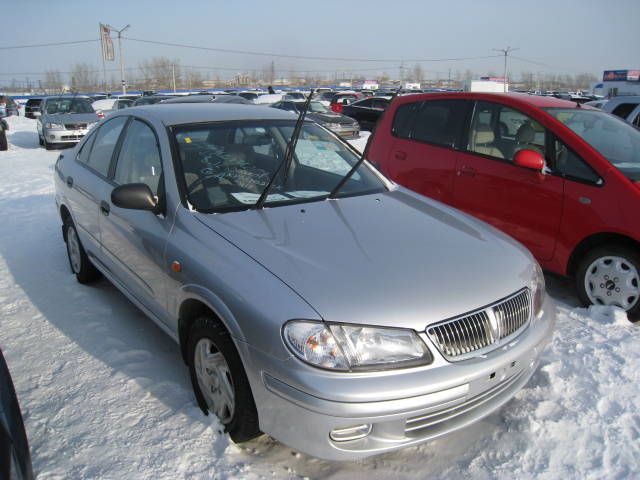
104	208
467	170
401	155
69	182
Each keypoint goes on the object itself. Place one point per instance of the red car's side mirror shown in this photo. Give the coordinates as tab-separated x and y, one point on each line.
529	159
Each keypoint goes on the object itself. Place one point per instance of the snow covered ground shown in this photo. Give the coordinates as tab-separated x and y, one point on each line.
105	393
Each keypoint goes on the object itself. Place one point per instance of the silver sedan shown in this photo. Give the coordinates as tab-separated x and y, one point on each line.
343	315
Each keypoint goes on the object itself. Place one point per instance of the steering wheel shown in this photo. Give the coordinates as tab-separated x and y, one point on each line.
202	180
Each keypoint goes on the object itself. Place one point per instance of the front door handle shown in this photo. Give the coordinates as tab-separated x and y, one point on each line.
104	208
400	155
69	182
467	170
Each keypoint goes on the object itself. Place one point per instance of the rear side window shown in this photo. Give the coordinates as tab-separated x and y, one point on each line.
104	144
403	119
85	149
624	109
440	122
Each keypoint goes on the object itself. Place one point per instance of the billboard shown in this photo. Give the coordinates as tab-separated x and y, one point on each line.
621	76
107	44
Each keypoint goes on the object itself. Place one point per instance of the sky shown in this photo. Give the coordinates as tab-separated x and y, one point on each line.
560	36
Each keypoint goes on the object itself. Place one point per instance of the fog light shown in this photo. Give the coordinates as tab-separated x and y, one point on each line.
350	433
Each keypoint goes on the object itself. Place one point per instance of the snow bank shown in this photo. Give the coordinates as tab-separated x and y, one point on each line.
105	394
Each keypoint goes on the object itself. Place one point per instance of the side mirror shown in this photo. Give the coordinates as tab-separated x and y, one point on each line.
529	159
134	196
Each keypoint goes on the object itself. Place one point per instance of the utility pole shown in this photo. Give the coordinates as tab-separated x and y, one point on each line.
119	32
506	52
173	76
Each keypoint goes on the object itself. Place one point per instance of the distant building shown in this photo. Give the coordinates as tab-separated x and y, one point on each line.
617	83
487	84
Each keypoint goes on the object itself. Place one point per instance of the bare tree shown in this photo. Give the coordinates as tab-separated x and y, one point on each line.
52	80
193	78
158	72
417	74
83	77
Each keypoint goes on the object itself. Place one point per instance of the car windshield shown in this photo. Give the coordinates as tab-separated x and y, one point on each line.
226	167
68	105
613	138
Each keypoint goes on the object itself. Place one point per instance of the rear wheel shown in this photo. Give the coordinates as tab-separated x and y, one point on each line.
219	381
40	141
80	264
610	276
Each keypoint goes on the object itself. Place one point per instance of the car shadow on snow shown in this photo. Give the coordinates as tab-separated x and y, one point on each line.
98	318
23	139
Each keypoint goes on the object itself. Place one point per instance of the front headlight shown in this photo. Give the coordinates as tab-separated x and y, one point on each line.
54	126
537	289
349	347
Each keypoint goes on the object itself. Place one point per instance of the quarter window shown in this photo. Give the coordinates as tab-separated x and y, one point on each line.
106	139
570	165
624	109
139	159
85	150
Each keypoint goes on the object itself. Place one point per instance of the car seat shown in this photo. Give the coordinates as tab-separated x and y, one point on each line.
482	141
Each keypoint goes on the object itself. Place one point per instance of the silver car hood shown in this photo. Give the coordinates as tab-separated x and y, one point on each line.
72	117
393	259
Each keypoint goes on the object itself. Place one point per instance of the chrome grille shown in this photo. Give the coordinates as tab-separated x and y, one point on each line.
483	329
75	126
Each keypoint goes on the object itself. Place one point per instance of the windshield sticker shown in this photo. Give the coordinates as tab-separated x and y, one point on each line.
187	139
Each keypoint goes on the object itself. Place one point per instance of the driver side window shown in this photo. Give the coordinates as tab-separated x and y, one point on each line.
139	160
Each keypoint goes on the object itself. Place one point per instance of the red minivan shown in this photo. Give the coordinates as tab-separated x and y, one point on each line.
561	178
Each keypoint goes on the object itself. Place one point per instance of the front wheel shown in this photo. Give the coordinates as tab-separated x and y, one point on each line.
219	381
610	276
4	145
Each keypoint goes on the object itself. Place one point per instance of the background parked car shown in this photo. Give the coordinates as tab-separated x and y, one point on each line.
339	100
8	106
339	124
150	99
366	111
560	178
64	120
32	106
15	459
109	105
627	108
208	98
324	96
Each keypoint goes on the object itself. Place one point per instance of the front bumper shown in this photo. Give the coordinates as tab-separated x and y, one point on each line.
404	408
64	136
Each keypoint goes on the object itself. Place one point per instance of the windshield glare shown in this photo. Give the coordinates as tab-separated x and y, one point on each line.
613	138
69	105
226	167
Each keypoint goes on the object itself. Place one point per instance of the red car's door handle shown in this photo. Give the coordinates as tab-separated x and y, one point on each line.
466	170
400	155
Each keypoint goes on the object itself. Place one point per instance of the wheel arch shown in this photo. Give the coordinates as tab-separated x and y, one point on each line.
65	215
598	240
192	308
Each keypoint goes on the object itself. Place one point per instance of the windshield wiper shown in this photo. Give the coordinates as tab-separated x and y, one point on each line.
353	169
288	154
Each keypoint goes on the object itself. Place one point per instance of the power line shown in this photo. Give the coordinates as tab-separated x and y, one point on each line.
55	44
303	57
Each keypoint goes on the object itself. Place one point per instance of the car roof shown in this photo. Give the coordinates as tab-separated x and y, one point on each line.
182	113
533	100
56	97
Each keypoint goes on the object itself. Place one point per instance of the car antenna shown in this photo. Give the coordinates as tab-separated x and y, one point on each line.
288	155
356	165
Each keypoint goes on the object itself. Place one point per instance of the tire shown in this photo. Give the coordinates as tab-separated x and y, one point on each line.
47	145
208	335
79	262
605	273
40	141
4	145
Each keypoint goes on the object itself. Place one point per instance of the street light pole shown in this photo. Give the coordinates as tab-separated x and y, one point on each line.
506	52
119	32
